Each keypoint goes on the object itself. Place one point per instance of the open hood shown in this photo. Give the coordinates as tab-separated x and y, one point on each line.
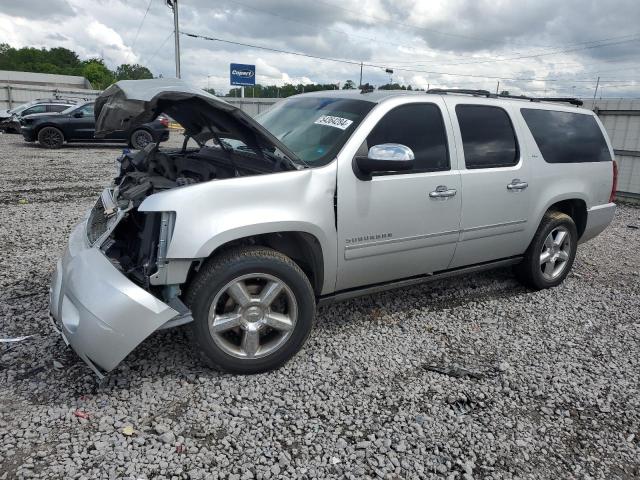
129	103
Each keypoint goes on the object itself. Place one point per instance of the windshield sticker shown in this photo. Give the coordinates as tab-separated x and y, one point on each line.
336	122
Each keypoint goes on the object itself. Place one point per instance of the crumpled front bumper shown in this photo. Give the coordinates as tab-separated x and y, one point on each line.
101	313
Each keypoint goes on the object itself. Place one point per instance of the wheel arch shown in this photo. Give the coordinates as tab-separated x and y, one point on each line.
572	204
302	247
50	124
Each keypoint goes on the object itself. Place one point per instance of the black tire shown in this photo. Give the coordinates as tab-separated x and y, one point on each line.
531	272
50	137
140	138
221	271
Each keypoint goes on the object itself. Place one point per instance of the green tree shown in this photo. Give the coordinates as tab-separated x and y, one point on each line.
98	74
132	72
349	85
66	62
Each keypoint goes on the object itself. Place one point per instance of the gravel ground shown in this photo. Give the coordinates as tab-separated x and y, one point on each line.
532	384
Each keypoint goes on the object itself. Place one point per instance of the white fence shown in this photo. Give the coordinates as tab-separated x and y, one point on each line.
621	119
12	95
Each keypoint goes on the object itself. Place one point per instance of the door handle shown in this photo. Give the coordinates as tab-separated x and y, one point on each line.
517	184
442	191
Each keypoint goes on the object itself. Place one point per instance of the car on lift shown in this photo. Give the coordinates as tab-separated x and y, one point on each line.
10	119
77	124
326	196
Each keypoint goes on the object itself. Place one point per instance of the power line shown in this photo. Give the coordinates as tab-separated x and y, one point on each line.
141	23
371	39
353	62
537	55
160	47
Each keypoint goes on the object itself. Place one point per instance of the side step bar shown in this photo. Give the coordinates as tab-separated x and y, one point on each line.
381	287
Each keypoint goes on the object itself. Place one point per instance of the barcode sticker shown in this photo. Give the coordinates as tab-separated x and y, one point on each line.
336	122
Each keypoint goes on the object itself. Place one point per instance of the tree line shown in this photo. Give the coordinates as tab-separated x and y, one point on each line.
273	91
63	61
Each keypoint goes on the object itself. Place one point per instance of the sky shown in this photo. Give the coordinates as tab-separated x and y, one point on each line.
541	47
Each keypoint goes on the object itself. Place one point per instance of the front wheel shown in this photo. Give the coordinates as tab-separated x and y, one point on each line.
50	137
550	256
253	309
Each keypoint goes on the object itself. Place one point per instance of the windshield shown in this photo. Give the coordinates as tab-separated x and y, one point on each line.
315	128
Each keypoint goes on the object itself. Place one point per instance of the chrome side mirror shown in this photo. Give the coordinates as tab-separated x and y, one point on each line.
384	158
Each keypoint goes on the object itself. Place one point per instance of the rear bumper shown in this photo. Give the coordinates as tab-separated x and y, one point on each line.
100	312
162	135
598	218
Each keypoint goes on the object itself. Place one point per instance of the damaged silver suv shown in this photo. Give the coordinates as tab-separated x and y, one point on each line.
246	228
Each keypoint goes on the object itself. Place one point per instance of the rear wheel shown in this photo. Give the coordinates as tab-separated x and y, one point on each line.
50	137
253	309
550	256
140	138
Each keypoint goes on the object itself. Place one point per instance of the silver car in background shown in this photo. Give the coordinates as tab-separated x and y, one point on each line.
326	196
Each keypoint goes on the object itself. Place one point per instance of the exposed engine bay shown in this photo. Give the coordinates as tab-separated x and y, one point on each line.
225	143
133	245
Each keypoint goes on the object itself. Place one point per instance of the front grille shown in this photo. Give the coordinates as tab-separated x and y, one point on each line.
97	222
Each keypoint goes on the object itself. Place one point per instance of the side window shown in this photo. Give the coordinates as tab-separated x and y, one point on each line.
35	109
420	127
565	137
87	110
488	137
57	108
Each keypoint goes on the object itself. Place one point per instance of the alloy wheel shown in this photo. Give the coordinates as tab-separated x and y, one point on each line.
252	316
51	137
555	253
141	139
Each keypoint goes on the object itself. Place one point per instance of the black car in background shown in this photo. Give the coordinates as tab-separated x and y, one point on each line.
77	124
10	119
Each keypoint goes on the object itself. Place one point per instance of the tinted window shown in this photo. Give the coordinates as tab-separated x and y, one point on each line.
420	127
57	108
565	137
87	110
487	136
35	109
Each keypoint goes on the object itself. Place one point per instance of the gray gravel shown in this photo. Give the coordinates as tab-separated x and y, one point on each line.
526	384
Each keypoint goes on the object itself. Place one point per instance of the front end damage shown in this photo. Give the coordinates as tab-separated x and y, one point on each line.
115	284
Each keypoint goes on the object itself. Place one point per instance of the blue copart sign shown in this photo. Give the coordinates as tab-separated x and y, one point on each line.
241	74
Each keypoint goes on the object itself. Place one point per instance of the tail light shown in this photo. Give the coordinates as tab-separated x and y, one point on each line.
164	121
614	185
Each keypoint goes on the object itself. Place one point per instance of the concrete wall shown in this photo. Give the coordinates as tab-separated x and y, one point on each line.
253	106
621	119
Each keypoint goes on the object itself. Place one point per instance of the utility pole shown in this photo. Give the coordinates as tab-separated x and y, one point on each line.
497	87
173	4
360	85
595	93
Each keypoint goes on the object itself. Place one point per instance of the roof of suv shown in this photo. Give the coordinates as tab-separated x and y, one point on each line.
377	96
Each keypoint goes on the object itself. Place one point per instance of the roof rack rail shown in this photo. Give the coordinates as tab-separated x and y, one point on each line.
465	91
573	101
484	93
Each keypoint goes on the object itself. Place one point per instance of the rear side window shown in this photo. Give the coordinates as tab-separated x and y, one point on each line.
35	109
565	137
420	127
57	108
488	137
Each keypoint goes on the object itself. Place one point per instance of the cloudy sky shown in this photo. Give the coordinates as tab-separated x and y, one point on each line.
535	47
